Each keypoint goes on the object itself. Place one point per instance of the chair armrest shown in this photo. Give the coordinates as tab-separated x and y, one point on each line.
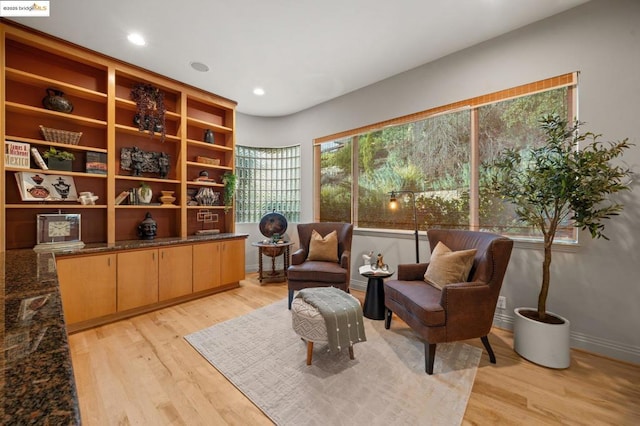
298	256
412	271
470	307
345	259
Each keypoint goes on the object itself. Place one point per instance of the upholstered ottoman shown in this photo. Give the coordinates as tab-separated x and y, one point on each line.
327	314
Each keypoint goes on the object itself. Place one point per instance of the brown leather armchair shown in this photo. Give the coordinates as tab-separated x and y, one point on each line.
459	311
304	273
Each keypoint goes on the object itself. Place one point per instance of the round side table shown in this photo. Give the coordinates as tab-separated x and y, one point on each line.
374	299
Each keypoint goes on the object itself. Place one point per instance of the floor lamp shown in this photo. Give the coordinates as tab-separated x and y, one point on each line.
393	205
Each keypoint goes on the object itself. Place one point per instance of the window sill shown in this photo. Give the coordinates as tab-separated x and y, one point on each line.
519	243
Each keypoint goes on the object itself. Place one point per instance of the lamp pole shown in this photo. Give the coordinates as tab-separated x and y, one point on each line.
393	203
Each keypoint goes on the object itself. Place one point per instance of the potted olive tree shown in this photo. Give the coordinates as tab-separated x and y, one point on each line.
558	182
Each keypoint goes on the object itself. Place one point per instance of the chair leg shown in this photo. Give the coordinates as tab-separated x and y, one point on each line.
309	351
387	317
487	346
351	356
290	298
429	356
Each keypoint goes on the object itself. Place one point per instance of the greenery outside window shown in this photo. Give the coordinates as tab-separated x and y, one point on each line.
438	154
268	180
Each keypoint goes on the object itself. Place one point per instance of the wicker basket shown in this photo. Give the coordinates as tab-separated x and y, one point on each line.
60	136
207	160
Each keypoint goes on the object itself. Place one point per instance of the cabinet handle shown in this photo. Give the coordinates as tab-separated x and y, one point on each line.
109	261
153	255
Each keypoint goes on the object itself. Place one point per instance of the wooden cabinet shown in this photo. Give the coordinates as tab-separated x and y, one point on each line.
206	266
137	278
175	272
218	264
88	286
232	258
99	288
99	89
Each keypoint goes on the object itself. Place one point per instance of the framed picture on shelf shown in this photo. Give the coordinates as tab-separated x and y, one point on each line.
42	187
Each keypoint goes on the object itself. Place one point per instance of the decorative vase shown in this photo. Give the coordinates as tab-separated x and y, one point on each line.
56	101
208	136
167	197
542	343
144	194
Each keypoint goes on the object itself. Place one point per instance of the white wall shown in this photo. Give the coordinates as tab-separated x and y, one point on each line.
595	285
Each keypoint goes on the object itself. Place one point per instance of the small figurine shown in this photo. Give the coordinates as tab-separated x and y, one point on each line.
380	261
204	177
147	228
163	165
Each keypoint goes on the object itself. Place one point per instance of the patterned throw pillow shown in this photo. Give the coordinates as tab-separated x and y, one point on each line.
448	267
323	248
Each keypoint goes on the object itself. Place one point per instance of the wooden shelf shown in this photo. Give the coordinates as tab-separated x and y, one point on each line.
210	184
65	206
99	88
208	166
147	179
41	112
210	146
69	89
66	146
205	125
131	106
205	207
130	130
146	206
57	172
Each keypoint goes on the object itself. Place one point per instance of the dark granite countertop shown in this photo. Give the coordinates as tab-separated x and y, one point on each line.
158	242
37	384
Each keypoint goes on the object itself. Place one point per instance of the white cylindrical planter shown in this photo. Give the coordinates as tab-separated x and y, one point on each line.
541	343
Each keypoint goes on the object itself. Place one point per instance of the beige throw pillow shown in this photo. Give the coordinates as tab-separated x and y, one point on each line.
448	267
323	248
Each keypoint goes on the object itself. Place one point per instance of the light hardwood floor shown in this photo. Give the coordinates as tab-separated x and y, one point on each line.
141	371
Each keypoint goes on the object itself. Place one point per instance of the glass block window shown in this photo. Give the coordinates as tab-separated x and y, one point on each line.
268	180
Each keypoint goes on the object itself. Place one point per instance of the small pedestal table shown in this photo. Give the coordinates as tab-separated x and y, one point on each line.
273	250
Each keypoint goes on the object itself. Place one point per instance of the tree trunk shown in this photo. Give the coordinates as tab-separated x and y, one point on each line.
544	288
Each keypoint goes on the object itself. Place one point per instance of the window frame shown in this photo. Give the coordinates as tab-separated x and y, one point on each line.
279	176
568	80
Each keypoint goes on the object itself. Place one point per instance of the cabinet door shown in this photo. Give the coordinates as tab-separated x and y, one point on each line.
232	261
176	273
206	266
88	286
137	279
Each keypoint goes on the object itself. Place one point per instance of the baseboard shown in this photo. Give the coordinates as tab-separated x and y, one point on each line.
595	345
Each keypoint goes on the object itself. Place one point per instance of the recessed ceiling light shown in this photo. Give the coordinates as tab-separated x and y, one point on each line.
136	39
199	66
258	91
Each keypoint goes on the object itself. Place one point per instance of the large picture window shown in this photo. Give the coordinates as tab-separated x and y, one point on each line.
268	180
438	155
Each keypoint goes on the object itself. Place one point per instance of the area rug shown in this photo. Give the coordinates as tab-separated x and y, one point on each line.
385	384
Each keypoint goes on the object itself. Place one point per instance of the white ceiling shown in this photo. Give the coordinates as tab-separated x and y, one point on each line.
302	52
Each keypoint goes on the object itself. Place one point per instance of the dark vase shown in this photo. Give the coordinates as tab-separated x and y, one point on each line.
208	136
56	101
